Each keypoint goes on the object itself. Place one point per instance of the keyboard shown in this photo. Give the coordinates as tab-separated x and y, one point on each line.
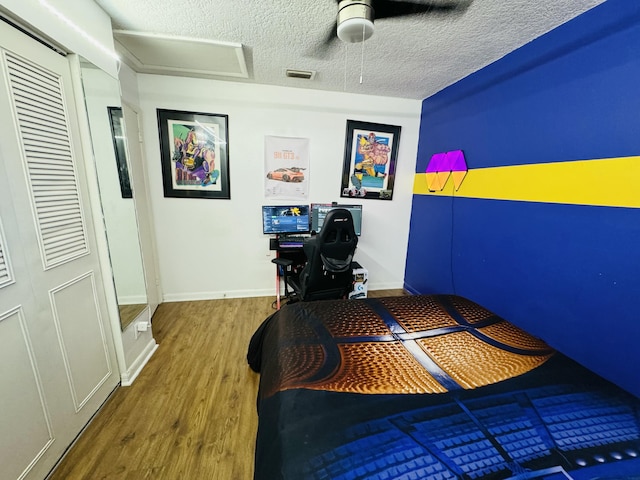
291	241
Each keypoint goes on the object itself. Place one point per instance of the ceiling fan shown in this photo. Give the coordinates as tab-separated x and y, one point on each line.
355	21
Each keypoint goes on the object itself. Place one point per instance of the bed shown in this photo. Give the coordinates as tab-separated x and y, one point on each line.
434	387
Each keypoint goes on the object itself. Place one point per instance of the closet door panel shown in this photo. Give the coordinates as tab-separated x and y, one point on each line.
6	272
27	433
23	405
37	98
65	353
81	336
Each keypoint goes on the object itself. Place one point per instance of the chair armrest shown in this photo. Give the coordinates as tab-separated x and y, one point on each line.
283	262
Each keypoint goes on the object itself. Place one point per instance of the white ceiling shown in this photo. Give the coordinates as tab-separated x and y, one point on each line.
408	57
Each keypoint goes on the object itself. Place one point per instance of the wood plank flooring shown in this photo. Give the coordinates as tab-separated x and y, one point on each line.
191	413
128	313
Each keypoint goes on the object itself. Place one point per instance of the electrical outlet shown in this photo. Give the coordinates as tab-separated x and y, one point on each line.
140	327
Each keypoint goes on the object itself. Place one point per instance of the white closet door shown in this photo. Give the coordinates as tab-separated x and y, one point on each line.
56	352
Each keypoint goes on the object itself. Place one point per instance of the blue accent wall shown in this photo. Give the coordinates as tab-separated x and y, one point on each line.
569	274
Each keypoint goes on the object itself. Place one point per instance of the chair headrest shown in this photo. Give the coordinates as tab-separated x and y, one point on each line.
337	240
338	218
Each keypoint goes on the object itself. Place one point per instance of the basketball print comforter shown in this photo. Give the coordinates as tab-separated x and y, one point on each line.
433	387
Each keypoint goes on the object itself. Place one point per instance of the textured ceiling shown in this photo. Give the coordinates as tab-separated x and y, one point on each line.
409	57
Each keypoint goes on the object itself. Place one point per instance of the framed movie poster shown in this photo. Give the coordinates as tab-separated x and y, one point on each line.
194	150
370	155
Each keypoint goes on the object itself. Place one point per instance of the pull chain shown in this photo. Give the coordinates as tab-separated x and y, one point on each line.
346	51
362	56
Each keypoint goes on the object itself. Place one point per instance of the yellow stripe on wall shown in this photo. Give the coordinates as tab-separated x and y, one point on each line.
613	182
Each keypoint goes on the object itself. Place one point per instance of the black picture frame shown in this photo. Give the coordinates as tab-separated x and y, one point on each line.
189	143
370	156
120	150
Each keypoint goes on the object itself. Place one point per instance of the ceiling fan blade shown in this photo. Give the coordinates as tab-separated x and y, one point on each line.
391	8
330	36
324	47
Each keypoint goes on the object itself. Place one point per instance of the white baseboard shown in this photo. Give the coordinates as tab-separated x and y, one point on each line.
197	296
385	286
127	378
132	300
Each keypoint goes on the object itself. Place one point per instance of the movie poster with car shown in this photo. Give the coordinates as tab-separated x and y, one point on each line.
286	167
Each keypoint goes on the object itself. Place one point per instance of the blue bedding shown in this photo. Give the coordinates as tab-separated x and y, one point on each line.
432	387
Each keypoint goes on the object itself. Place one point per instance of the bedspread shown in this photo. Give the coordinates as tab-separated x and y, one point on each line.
433	387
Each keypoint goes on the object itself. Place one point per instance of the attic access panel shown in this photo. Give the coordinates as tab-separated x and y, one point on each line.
150	53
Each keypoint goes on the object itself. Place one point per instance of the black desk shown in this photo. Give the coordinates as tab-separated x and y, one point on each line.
285	247
287	242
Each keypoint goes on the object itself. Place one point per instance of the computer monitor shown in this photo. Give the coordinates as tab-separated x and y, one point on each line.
285	219
320	210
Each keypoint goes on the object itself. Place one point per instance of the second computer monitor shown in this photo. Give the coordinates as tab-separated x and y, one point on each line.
320	210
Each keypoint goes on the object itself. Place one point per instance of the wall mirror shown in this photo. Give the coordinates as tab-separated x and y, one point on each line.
102	100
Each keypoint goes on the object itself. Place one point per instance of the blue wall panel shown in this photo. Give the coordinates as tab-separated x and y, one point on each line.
562	272
567	273
431	229
569	95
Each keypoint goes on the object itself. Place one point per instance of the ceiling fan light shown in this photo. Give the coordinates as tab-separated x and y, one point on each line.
351	30
355	17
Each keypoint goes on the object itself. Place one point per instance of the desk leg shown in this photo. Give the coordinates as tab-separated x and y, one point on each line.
278	287
277	284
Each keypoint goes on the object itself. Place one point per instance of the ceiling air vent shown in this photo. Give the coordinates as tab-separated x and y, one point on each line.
304	74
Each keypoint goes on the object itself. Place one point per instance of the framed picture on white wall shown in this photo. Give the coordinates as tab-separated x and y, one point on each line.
370	155
194	151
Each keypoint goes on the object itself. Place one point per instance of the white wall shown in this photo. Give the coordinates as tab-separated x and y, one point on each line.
85	14
129	85
215	248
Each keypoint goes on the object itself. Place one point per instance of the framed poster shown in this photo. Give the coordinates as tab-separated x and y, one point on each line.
194	151
120	150
370	155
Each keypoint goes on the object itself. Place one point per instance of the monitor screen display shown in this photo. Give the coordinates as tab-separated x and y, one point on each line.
320	210
285	219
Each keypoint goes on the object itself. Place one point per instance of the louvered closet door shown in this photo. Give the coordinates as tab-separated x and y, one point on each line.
56	353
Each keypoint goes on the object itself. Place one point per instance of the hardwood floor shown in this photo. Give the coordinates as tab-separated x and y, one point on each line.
191	413
128	313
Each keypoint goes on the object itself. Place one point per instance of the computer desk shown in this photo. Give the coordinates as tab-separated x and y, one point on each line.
296	254
291	251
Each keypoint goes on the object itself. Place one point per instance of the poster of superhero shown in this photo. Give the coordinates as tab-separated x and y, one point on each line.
370	156
194	154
